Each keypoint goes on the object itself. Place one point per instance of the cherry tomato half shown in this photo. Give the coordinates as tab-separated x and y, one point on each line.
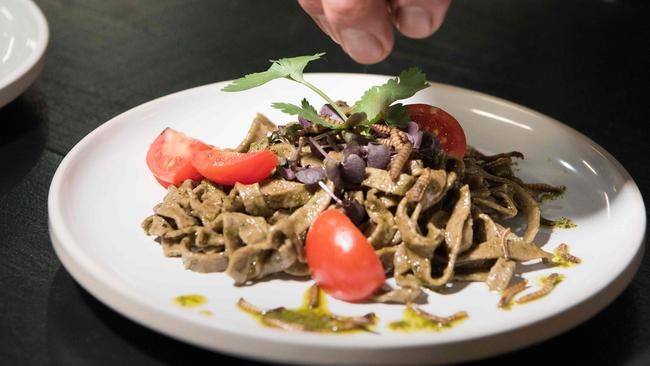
170	157
442	124
228	168
341	260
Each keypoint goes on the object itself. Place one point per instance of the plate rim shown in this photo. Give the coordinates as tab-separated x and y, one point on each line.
59	235
35	61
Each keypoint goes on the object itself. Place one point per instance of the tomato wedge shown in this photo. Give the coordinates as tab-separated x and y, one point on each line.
170	157
341	260
228	168
443	125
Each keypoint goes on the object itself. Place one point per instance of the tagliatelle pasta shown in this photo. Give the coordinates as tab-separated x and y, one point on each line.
436	222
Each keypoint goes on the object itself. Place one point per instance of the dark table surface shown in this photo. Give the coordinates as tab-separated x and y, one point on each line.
582	62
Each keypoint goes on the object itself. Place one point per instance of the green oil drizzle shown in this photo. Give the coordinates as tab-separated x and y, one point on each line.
549	196
190	301
560	223
412	322
564	223
313	319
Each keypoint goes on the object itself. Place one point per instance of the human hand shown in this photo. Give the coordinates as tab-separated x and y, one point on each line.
363	28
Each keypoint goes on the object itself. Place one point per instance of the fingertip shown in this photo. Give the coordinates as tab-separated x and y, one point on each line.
362	27
414	22
364	59
418	19
363	47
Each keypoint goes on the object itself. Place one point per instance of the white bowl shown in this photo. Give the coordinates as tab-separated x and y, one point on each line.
24	35
102	190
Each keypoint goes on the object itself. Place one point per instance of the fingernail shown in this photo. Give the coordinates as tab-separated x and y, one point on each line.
362	46
414	21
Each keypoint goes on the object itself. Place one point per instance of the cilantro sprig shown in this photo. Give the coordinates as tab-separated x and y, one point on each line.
377	103
288	68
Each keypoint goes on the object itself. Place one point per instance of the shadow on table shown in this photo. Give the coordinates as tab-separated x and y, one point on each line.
604	340
81	330
22	140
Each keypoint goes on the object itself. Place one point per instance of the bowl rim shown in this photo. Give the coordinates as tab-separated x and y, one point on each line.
44	38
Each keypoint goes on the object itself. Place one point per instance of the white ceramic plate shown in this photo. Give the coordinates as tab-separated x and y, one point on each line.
103	190
23	39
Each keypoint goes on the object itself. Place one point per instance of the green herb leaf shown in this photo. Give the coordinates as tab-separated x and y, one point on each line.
253	80
375	101
306	111
293	67
396	115
290	68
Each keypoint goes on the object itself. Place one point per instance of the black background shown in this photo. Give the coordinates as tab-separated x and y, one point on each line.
582	62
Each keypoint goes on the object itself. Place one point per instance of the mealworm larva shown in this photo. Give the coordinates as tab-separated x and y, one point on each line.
247	306
510	292
416	192
549	284
563	251
440	320
398	140
543	187
385	142
381	129
403	148
358	321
